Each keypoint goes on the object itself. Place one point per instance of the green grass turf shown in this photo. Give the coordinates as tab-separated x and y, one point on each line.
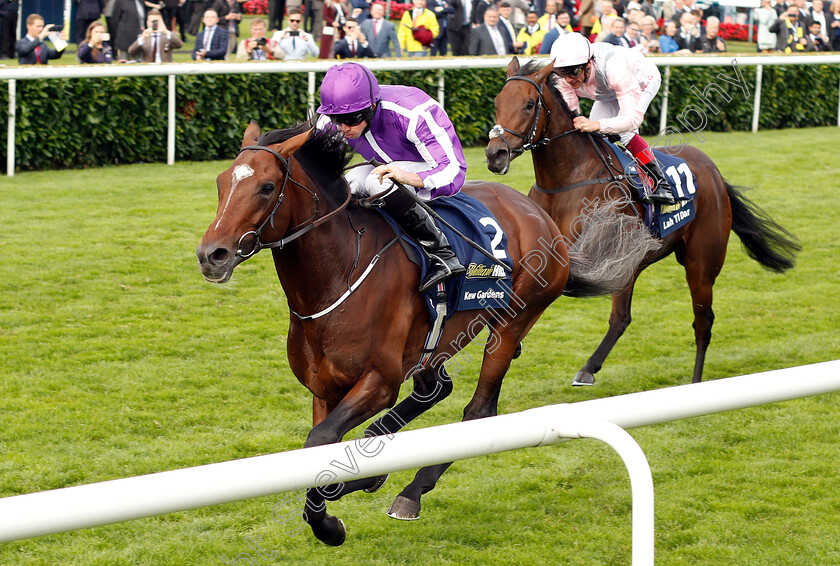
119	360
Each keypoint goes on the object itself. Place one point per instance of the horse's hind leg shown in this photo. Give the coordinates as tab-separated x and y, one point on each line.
497	358
619	321
701	269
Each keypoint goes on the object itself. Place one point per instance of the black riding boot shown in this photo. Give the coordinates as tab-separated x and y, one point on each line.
421	227
661	191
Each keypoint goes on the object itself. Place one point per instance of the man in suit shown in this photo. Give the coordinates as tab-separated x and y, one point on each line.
354	44
211	42
488	38
460	25
156	43
617	35
31	48
380	32
689	36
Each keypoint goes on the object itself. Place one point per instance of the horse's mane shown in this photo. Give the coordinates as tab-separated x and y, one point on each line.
324	156
535	65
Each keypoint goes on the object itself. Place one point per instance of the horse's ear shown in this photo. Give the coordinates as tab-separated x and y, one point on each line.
541	75
513	66
252	134
291	145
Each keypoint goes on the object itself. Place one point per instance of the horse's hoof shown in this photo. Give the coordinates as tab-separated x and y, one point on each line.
380	481
404	509
334	534
583	378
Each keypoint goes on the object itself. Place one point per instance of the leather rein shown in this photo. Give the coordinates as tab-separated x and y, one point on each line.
298	230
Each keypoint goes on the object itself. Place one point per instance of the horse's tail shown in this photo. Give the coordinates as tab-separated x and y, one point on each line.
763	238
607	253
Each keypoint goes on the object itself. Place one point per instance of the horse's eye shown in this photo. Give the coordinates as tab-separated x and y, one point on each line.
267	189
530	105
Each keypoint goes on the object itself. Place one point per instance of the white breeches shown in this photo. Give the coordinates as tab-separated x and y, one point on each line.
363	184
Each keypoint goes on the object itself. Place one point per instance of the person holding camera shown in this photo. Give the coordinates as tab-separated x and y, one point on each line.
211	42
258	47
156	43
790	31
31	48
294	42
95	48
354	44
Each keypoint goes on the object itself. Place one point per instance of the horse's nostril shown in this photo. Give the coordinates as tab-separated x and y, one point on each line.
219	255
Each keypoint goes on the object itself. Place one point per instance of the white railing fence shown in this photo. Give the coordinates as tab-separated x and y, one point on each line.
173	70
83	506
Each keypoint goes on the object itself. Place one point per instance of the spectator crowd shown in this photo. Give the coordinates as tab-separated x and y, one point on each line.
151	30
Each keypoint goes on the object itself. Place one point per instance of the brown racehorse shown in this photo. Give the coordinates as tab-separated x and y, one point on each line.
286	187
572	173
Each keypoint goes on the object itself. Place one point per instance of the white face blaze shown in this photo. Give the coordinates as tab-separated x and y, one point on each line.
240	172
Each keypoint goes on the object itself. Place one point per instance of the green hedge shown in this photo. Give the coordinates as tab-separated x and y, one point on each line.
88	122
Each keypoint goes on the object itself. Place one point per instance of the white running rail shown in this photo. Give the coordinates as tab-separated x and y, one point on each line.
172	70
83	506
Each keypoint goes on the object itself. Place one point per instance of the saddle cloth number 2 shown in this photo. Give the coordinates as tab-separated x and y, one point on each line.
497	239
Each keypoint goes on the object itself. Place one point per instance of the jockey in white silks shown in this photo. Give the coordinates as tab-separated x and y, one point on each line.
411	134
622	83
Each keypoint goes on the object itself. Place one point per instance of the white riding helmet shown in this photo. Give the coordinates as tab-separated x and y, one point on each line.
570	50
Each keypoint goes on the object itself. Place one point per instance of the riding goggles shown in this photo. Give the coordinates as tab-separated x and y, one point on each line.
572	72
351	119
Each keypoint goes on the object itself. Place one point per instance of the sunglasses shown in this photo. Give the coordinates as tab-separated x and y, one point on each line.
352	119
295	21
572	72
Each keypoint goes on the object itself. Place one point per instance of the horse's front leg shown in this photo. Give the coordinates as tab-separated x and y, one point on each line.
369	396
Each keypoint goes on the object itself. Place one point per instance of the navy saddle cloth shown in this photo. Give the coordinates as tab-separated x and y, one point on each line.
485	284
662	219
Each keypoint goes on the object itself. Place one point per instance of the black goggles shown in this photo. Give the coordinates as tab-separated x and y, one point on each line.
572	72
351	119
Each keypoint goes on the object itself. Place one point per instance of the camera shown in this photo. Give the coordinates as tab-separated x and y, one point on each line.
261	42
57	27
154	25
294	33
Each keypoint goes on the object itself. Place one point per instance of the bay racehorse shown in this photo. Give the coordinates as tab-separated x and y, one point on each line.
352	345
573	169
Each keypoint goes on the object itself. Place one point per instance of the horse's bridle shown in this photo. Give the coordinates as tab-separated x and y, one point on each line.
528	144
298	230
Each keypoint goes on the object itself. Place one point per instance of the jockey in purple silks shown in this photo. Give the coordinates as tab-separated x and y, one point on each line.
408	132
